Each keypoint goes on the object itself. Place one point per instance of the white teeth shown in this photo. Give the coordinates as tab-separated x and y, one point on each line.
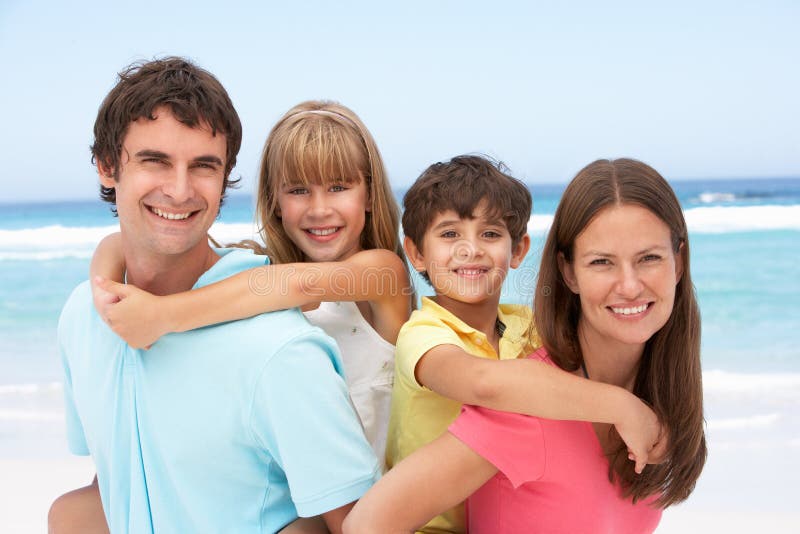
630	311
471	272
322	231
171	216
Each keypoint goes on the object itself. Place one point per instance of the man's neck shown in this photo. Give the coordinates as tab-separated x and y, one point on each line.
167	274
481	316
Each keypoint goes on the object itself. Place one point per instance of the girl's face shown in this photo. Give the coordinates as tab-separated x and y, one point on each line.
324	220
625	271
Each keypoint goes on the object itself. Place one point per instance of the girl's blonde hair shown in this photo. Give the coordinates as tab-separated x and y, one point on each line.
320	141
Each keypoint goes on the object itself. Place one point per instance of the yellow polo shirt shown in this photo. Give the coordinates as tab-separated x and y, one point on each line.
418	414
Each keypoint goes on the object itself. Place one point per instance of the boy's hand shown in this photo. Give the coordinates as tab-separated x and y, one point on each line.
643	434
135	315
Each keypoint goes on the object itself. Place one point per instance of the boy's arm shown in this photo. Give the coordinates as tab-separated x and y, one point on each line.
140	318
534	388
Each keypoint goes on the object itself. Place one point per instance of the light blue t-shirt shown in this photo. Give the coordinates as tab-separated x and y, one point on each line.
238	427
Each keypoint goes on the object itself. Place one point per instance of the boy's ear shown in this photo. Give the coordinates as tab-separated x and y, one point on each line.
567	273
520	250
106	175
413	254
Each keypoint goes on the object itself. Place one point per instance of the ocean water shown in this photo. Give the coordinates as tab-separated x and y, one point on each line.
745	262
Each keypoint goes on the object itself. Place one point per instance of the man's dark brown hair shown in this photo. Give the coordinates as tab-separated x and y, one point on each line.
193	95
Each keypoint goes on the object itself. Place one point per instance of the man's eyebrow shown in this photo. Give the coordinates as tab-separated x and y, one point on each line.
208	159
147	153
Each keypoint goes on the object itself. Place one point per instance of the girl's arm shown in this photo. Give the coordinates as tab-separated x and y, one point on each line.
534	388
107	262
376	275
434	478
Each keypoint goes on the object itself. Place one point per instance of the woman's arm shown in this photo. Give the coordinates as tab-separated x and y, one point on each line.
534	388
434	478
374	275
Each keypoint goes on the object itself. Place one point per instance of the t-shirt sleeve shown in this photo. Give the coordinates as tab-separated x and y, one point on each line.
303	416
513	443
417	338
76	439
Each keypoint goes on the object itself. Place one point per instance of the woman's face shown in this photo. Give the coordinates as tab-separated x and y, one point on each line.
625	272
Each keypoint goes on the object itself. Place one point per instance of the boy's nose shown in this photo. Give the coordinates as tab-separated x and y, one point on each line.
465	249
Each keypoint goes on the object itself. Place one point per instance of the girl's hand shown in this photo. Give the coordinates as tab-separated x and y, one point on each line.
644	435
135	315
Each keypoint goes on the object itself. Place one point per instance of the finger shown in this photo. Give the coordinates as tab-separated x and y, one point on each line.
115	288
639	467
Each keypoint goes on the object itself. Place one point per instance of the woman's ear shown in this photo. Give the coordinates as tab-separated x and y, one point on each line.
679	263
568	273
415	257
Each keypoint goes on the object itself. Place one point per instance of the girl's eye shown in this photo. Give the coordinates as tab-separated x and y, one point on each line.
298	191
337	188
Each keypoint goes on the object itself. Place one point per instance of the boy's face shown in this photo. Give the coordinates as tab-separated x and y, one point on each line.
467	259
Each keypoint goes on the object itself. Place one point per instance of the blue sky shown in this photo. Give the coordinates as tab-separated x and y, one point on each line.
697	89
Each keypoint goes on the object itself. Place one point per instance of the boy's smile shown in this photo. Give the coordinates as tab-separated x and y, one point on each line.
466	260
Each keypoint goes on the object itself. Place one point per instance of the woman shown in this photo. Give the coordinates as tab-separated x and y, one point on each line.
615	303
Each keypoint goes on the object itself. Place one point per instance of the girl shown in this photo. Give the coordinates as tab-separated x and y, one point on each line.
615	304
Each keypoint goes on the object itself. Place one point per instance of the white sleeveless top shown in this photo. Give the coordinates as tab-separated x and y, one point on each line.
368	367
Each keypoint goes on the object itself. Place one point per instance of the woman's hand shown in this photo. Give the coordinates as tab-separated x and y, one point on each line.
135	315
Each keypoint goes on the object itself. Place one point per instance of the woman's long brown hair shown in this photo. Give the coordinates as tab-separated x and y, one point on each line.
669	376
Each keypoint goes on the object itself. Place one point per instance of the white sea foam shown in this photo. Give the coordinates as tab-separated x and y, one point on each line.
784	387
30	415
62	242
743	423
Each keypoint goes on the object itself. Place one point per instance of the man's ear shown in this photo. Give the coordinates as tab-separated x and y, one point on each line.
414	255
520	250
106	175
568	273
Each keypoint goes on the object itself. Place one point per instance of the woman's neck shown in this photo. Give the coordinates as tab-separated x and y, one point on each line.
608	360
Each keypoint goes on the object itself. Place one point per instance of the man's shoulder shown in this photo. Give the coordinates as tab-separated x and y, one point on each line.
77	305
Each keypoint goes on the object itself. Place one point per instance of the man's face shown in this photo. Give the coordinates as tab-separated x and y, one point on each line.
169	185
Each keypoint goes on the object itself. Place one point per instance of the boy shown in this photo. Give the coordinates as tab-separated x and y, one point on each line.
465	224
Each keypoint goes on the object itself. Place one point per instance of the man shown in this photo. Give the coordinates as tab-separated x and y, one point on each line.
239	427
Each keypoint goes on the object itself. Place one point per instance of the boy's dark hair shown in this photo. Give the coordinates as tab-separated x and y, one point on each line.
461	184
193	95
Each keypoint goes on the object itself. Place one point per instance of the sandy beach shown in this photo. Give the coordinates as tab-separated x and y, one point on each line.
743	489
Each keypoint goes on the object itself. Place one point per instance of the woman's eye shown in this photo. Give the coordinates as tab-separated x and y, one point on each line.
651	257
600	261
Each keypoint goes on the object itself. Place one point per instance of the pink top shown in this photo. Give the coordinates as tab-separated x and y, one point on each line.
552	477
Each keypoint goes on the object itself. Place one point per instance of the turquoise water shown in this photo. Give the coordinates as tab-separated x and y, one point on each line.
745	264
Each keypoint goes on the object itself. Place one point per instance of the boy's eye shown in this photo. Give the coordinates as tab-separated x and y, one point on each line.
448	233
491	234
